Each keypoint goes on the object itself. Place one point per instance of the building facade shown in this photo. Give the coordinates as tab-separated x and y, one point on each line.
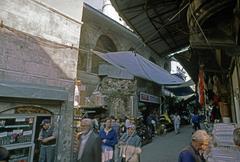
120	95
39	43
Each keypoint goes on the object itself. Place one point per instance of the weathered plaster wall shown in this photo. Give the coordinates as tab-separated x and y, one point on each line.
70	8
35	19
39	46
32	60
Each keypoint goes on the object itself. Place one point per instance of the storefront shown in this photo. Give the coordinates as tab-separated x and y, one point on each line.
148	104
19	133
22	109
148	98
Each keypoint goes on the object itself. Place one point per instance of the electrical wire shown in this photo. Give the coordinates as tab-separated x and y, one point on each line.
44	42
167	23
199	26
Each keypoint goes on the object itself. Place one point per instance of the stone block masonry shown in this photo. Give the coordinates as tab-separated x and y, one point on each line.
39	46
29	57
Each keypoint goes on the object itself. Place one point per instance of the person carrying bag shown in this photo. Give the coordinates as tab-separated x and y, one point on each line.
130	146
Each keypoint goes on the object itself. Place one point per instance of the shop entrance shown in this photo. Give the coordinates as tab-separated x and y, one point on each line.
19	131
40	114
147	109
39	120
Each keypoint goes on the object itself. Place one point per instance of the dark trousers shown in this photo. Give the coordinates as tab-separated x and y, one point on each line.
47	153
196	126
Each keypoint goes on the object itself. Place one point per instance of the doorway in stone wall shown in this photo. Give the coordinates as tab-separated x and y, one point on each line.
40	114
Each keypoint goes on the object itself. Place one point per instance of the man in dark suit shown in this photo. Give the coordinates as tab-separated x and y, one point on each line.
89	149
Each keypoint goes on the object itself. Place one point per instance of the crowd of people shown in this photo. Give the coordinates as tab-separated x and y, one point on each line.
110	138
106	142
101	145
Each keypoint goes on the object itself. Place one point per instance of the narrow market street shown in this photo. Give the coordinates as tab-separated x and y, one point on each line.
167	147
95	80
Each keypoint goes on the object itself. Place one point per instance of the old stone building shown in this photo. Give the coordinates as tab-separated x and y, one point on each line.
118	95
39	43
41	57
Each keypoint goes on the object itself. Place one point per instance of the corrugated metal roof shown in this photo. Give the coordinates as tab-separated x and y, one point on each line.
156	23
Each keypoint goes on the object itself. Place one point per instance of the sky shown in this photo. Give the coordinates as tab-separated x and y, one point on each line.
174	65
97	4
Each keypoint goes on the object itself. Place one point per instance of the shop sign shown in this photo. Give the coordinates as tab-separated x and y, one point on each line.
144	97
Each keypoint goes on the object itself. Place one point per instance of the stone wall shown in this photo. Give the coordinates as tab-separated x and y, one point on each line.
39	46
96	25
70	8
119	93
29	59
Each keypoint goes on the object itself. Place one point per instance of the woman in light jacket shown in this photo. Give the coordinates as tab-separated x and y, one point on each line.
130	146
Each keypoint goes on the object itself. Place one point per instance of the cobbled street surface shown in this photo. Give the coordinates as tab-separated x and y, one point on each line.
167	147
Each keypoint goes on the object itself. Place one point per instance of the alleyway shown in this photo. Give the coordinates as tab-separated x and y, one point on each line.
166	148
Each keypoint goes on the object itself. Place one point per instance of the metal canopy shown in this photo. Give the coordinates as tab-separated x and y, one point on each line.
167	26
157	22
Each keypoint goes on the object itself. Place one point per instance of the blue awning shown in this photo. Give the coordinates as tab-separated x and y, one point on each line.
138	66
181	91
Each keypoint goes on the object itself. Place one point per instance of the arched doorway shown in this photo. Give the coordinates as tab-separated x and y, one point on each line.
104	44
20	128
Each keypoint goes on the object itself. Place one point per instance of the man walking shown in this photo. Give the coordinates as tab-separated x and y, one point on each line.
176	120
196	121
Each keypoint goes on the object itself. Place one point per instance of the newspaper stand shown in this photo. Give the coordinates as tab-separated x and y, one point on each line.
17	136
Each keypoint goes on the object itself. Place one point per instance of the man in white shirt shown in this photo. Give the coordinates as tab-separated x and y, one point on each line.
176	121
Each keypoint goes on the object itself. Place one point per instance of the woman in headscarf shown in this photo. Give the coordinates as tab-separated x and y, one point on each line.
130	146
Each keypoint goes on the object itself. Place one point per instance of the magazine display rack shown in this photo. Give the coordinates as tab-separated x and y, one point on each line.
17	135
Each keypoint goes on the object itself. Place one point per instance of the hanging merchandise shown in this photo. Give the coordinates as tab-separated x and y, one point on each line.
210	83
201	86
210	89
77	93
216	86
